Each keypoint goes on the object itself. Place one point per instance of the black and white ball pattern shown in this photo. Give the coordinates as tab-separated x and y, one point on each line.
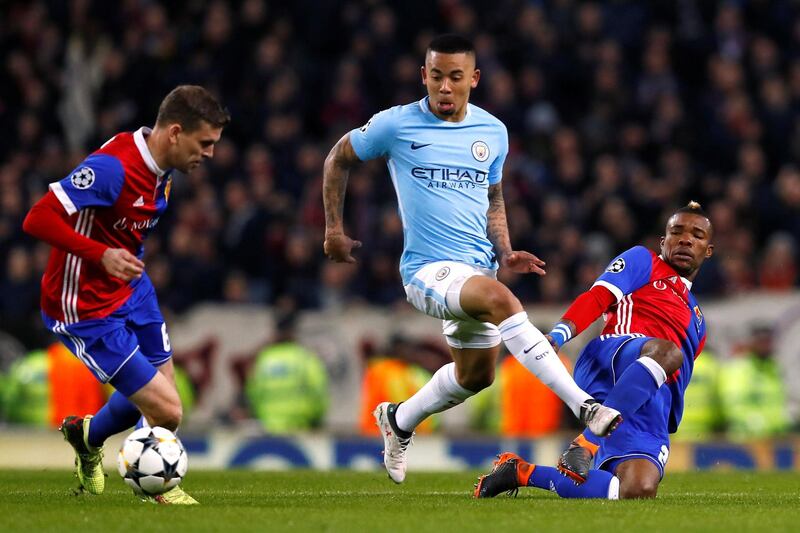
83	178
152	461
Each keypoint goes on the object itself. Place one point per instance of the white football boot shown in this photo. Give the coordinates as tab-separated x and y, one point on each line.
600	420
394	446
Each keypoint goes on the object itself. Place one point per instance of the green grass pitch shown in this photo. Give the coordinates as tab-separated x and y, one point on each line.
356	501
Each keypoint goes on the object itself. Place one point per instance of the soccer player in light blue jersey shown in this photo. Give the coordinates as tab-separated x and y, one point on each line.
445	157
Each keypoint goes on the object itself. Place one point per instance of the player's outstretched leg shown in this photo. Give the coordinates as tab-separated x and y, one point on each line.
88	459
175	496
488	300
511	472
395	441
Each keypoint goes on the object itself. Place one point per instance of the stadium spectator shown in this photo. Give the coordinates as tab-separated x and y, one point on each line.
47	385
702	412
287	386
394	374
753	389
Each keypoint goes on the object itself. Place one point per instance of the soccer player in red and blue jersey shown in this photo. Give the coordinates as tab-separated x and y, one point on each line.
96	295
640	365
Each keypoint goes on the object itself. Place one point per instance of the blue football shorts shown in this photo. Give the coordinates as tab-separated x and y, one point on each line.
644	435
124	348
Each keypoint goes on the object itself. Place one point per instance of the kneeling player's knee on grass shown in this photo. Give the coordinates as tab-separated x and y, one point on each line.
639	489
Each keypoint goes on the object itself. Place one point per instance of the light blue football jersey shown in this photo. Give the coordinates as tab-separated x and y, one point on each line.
441	172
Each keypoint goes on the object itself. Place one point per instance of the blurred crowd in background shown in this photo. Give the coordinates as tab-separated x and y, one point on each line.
617	111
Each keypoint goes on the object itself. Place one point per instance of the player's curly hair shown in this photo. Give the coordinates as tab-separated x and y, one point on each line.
189	105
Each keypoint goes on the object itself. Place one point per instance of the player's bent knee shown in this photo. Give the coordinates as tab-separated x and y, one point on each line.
169	417
666	353
477	382
502	303
672	359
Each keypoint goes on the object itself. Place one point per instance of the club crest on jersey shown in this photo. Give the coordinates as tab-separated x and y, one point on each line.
617	266
698	314
83	178
480	151
442	273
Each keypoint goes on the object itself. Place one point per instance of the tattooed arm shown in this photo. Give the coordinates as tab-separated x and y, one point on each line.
497	231
496	224
341	158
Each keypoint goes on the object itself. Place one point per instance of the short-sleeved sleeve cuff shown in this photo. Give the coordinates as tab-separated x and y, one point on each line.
62	196
616	291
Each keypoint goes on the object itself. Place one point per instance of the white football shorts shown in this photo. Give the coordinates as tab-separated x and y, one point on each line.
436	291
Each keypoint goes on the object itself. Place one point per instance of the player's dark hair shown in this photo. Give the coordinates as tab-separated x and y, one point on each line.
189	105
451	43
693	208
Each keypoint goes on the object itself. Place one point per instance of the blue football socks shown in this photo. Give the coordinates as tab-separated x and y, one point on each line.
118	414
633	389
548	478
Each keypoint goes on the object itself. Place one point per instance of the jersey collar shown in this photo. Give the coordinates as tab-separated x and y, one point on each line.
144	151
684	280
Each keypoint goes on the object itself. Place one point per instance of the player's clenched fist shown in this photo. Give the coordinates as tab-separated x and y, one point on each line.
338	247
122	264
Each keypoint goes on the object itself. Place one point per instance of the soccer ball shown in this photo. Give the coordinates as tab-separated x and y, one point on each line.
152	461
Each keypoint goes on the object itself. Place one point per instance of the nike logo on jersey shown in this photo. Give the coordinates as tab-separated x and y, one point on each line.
139	202
415	146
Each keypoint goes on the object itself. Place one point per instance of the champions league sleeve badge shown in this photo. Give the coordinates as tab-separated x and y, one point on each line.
617	266
83	178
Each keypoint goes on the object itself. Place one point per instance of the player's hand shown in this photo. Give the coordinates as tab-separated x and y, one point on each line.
552	342
338	247
122	264
523	263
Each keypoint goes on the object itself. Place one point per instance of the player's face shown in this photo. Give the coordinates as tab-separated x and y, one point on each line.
190	148
449	79
687	243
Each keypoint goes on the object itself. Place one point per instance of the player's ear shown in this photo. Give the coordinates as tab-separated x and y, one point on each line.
709	251
476	76
661	242
172	132
424	74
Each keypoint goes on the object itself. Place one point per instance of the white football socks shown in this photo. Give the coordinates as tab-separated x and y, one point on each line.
532	349
439	394
613	489
655	369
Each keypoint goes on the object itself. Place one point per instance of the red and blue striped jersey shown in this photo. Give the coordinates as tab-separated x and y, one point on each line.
116	197
655	301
